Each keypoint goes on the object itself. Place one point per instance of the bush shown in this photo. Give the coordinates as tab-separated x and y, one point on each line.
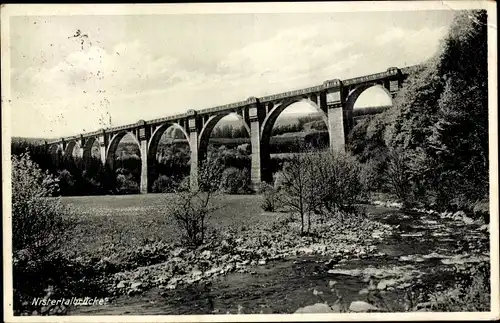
404	178
191	210
299	188
338	183
126	184
235	181
40	224
184	185
66	182
372	175
270	197
164	184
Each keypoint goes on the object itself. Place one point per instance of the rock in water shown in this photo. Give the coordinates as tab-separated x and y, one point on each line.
485	227
136	285
362	307
316	308
384	283
467	220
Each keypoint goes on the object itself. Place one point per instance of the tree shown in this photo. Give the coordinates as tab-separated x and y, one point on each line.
191	210
298	189
298	185
440	116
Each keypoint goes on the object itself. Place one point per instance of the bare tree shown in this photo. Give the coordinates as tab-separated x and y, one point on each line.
299	187
191	210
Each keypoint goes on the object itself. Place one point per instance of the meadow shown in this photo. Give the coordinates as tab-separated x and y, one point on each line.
128	221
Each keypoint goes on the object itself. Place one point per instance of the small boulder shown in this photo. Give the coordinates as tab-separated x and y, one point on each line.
364	291
121	284
384	283
206	254
177	252
136	285
332	262
362	307
316	308
458	215
316	292
467	220
485	227
424	305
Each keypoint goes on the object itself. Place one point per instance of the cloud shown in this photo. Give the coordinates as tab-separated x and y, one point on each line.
293	52
101	86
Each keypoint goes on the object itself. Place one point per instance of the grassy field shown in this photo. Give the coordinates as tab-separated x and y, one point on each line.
104	222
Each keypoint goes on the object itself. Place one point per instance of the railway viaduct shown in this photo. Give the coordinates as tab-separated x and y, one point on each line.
334	100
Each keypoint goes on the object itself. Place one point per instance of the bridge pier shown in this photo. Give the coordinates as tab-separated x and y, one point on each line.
102	150
193	143
255	169
144	166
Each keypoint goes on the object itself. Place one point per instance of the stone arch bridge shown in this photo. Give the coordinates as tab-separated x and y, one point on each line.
334	100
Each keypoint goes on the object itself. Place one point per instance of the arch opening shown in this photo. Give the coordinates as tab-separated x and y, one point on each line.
91	150
124	162
72	150
169	159
225	132
292	127
368	100
225	139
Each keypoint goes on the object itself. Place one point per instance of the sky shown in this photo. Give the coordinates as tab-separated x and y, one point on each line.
120	69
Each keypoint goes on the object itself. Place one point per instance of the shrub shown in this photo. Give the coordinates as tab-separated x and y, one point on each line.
191	210
270	197
164	184
39	225
235	181
126	184
299	188
337	183
66	182
184	185
372	175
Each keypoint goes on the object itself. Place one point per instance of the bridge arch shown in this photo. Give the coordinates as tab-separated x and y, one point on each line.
274	113
158	133
209	126
356	93
352	112
70	147
55	149
56	152
87	148
155	167
267	128
113	145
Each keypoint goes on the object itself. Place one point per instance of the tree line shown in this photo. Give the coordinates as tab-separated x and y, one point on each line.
431	147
